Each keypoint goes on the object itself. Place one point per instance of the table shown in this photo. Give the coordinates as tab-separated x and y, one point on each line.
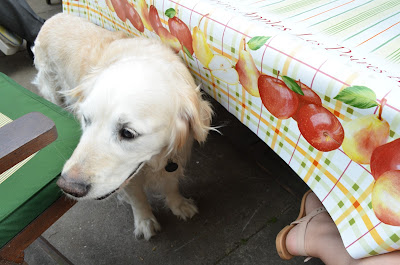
343	55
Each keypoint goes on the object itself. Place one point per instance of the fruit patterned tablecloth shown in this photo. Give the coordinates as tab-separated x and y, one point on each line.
317	80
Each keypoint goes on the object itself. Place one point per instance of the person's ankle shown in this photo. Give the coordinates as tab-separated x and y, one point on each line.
316	229
319	228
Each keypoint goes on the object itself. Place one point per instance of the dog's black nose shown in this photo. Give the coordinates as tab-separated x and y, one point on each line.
73	187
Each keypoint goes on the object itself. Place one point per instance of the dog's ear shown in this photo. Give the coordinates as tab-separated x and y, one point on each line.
78	94
194	117
194	114
199	117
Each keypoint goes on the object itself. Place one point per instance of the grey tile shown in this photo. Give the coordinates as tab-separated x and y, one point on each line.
36	255
20	68
260	249
235	198
43	10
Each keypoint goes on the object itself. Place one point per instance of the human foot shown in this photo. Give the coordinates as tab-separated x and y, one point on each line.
313	229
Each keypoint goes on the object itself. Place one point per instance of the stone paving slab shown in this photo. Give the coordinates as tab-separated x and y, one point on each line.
236	199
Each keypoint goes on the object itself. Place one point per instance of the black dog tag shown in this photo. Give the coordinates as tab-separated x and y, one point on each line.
171	166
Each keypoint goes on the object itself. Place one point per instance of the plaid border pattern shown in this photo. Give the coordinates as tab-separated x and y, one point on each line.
303	45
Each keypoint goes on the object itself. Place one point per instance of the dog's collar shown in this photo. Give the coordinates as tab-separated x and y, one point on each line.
171	166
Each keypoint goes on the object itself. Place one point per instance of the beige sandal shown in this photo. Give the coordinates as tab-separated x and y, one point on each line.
302	220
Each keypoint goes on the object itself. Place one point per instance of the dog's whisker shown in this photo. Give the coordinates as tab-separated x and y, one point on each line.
59	153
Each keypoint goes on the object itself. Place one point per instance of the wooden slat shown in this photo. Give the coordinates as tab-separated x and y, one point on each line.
18	140
24	137
13	250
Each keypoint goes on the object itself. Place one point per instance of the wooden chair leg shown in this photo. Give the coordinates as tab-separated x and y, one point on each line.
13	251
57	256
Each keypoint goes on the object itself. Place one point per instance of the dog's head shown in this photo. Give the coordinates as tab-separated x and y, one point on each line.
131	112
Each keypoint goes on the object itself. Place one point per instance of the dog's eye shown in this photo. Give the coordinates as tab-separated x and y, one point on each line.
86	121
127	133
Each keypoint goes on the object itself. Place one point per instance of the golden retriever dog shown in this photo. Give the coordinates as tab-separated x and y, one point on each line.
139	109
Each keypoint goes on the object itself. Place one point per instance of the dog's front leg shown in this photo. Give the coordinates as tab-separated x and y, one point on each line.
146	224
182	207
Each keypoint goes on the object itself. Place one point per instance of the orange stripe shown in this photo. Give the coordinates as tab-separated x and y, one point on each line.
328	10
274	139
67	4
363	196
177	6
378	239
344	190
212	82
88	17
337	113
243	103
375	235
165	22
351	78
313	166
233	59
288	140
243	89
288	61
377	34
214	87
244	106
205	30
101	17
266	123
327	174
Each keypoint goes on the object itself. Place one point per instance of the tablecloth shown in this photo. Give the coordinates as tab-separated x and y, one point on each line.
256	58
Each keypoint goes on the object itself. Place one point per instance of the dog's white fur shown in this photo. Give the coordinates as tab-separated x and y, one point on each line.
113	82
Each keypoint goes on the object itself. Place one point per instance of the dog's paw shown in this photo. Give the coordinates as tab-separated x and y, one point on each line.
184	209
146	228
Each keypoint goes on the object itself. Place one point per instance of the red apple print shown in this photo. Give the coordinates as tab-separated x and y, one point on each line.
320	127
169	39
386	198
180	30
133	16
155	20
385	158
279	100
309	97
143	11
119	7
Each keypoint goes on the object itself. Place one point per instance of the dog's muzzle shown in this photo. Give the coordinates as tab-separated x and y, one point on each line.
78	188
128	178
72	187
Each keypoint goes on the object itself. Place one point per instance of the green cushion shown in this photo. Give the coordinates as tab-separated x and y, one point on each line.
31	189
